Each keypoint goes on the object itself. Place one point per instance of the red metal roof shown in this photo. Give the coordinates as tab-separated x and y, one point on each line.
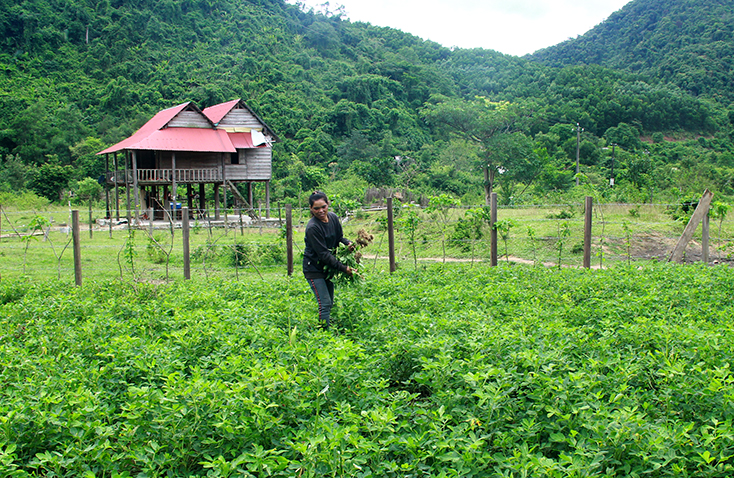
157	122
243	141
155	135
217	112
200	140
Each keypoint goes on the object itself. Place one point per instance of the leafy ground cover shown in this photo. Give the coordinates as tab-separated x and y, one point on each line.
448	371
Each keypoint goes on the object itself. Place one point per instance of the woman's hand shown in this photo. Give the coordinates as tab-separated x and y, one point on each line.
350	271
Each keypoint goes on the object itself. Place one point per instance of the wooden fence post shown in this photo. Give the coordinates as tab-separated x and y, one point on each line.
76	237
705	238
242	225
390	235
701	210
493	229
90	219
289	237
186	247
587	231
151	213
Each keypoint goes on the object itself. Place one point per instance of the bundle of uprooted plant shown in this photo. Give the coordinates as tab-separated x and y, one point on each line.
350	258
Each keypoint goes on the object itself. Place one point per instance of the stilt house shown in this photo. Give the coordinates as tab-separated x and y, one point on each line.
222	145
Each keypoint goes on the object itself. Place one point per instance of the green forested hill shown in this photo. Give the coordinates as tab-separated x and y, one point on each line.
689	43
348	99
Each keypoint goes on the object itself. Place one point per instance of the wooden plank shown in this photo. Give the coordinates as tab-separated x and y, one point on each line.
189	119
587	232
240	118
701	210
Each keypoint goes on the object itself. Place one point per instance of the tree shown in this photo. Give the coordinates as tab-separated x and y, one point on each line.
86	160
88	190
408	222
441	207
491	125
624	135
50	179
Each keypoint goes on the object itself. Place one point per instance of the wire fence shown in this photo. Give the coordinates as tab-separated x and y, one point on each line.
37	244
553	235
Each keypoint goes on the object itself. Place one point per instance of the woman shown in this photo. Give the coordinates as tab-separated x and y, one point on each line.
323	235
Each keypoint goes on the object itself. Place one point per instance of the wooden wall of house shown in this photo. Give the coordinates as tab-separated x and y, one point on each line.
255	165
189	119
240	118
189	160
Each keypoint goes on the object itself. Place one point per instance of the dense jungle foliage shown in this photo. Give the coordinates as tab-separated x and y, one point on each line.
360	106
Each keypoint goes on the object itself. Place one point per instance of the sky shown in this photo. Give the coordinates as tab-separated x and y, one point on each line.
514	27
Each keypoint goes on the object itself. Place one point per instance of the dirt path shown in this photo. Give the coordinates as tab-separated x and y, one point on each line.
512	259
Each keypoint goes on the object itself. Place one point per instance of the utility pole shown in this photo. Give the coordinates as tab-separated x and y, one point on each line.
579	129
611	175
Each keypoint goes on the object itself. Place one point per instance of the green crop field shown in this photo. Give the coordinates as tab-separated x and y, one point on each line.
460	370
36	245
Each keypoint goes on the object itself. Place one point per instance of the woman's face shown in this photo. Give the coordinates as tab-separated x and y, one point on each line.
319	209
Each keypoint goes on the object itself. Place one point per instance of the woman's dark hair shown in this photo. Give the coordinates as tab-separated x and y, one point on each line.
315	196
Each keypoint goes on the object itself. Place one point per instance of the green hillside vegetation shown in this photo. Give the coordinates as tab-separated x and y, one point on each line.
688	44
360	106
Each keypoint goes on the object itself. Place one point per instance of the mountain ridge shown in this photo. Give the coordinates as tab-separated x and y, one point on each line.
346	98
682	42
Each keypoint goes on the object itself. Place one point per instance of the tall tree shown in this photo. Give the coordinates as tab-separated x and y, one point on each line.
495	126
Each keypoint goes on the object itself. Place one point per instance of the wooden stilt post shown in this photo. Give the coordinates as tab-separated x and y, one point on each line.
116	186
174	187
202	198
186	246
267	199
107	189
127	189
216	201
136	192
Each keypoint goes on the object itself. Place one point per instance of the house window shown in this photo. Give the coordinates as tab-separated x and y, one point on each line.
234	158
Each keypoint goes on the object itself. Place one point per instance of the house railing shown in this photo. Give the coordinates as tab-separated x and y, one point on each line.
164	176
